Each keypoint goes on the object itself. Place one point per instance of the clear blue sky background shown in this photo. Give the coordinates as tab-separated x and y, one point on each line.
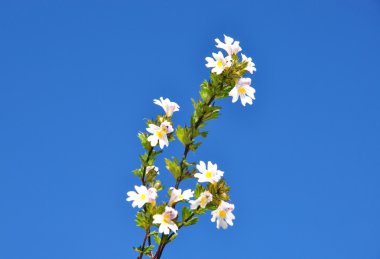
77	78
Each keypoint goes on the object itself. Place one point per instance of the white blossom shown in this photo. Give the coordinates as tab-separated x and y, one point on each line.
223	215
168	106
203	199
142	195
166	220
250	65
229	45
243	90
218	63
159	134
177	195
208	174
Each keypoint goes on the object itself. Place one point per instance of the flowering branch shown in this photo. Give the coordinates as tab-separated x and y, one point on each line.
226	79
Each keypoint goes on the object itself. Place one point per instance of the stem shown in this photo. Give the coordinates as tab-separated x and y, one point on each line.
160	250
179	180
187	146
147	236
194	127
143	244
144	167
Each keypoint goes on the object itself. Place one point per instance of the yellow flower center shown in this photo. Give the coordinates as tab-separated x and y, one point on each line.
203	200
219	63
167	218
222	213
208	174
159	133
180	197
241	90
142	196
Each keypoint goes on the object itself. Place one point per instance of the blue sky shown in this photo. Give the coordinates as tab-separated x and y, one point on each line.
78	78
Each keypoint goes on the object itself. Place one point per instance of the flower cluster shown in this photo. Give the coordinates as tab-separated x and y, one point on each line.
211	192
166	220
219	63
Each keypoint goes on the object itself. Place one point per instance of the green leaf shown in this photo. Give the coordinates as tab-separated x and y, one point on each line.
148	249
156	237
194	147
138	249
173	167
183	135
138	172
159	209
198	190
172	238
145	251
144	140
186	212
191	221
143	220
200	211
219	191
203	133
187	174
205	92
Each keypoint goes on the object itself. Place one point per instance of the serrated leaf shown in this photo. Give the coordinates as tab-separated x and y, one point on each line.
198	190
143	219
200	211
148	249
138	249
190	222
186	212
156	237
183	135
138	172
194	147
144	140
173	167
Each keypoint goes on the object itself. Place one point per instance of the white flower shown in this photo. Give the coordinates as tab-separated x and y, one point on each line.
210	174
159	134
218	63
223	215
203	200
250	65
229	45
243	90
177	195
166	220
150	168
142	196
168	106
